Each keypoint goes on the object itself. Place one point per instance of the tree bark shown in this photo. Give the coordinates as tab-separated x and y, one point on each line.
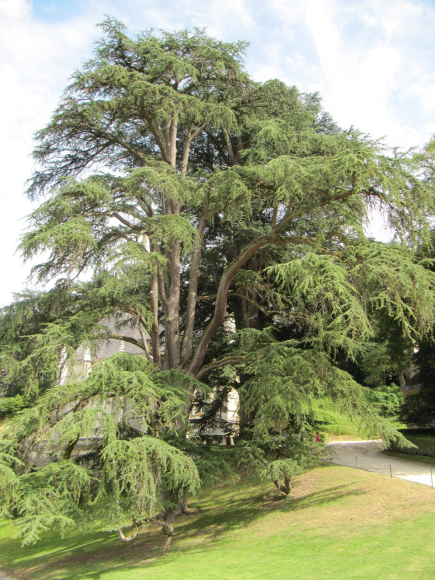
168	527
228	275
401	377
186	347
131	535
286	487
155	339
221	301
172	311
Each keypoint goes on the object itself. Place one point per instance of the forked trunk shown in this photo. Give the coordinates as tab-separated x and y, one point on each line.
285	487
168	527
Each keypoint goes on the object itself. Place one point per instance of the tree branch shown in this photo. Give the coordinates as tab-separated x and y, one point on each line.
100	132
162	290
141	327
156	135
129	339
231	294
221	296
232	360
229	146
125	222
132	534
186	149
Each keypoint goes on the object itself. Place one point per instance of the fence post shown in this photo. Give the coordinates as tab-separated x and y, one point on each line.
431	477
356	461
391	471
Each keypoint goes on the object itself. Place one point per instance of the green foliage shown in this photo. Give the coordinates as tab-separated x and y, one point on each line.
11	405
198	77
281	468
226	225
120	414
388	399
327	419
341	291
377	364
422	445
285	380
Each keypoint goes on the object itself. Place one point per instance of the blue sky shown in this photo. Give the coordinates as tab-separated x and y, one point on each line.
371	60
57	11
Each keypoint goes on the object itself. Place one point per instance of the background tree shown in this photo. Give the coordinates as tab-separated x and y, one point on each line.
206	180
419	408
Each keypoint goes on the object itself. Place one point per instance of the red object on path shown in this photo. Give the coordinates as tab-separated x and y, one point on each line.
317	437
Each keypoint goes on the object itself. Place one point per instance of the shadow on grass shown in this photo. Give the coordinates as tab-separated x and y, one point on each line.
241	512
223	510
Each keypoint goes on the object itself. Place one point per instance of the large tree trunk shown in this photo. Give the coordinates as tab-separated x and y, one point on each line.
168	518
401	377
186	347
155	339
285	487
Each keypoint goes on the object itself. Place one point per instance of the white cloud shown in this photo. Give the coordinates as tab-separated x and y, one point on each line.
371	60
37	59
367	56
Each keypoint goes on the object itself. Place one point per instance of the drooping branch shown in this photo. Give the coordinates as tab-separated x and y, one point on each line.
231	360
244	297
284	488
128	339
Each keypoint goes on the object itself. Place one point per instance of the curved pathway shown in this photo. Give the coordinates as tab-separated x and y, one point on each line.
4	576
367	455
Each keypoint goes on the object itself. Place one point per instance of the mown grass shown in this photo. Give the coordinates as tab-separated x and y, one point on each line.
340	524
408	457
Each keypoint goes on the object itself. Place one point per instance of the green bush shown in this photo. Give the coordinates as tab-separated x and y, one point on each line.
11	405
425	443
329	420
388	399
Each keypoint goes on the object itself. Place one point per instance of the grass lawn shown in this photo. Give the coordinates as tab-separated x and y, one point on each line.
341	523
408	457
331	438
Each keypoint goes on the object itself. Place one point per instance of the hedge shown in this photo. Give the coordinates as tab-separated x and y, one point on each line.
424	439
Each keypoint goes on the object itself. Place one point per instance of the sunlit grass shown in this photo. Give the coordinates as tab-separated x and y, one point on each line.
409	457
340	523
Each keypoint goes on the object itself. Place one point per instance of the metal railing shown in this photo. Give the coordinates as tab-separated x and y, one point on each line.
357	462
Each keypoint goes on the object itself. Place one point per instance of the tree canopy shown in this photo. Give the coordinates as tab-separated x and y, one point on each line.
224	218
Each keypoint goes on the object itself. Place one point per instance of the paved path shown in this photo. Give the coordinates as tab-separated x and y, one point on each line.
368	455
4	576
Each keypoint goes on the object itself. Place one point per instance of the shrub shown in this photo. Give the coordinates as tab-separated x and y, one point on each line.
11	405
424	439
